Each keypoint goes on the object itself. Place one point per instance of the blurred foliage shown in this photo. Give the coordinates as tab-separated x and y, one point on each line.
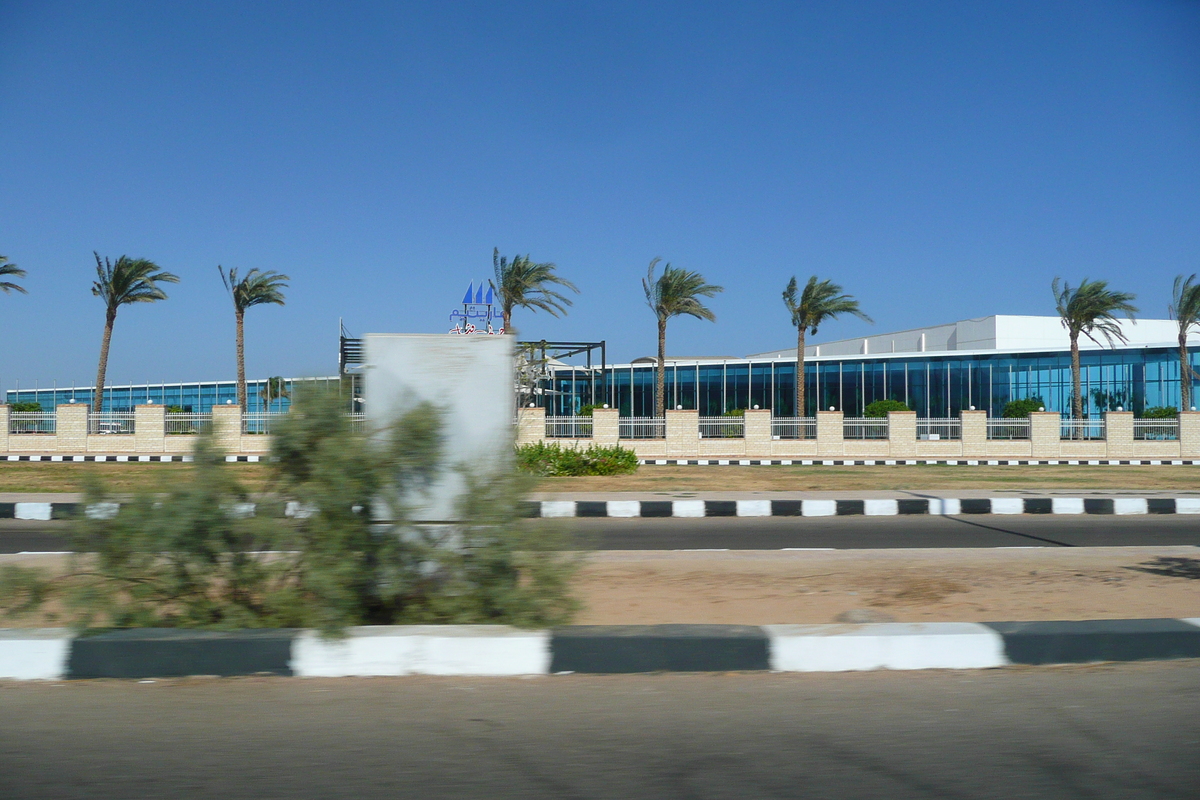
554	460
1160	412
203	553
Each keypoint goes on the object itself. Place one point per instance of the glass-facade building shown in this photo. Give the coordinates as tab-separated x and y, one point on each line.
932	384
197	397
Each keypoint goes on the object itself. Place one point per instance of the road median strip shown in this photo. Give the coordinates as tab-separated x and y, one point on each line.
55	654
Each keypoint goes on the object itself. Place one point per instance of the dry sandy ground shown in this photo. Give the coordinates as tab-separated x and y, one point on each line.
947	585
951	585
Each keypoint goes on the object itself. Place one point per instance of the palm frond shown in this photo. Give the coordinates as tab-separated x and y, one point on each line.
677	291
11	270
525	283
1091	309
1185	302
255	289
129	280
819	301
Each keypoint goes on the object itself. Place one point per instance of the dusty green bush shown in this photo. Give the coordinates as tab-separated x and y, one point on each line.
196	555
1021	409
880	408
554	460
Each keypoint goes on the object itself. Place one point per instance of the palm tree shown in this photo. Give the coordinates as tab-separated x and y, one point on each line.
274	389
672	294
255	289
1185	308
13	270
820	300
1087	309
127	280
525	283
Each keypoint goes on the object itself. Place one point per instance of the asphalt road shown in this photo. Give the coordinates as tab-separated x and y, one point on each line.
1117	731
774	533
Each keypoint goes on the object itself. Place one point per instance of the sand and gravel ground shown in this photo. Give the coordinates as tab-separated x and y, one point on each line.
755	587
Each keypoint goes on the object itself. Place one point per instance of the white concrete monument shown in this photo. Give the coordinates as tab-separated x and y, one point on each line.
469	378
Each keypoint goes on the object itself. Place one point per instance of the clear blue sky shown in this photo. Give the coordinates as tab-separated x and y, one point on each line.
940	160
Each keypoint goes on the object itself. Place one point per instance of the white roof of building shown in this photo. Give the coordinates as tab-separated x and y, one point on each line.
1001	332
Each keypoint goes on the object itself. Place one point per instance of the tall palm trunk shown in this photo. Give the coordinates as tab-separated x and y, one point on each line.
506	320
800	372
1076	381
241	360
98	396
1185	374
660	390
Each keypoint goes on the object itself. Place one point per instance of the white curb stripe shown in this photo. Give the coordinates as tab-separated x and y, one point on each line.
558	508
423	650
754	508
1187	505
880	508
818	508
1130	505
687	508
40	511
1066	505
37	654
892	645
945	506
624	508
1008	505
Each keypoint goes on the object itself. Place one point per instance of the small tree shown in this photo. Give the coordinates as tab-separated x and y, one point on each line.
673	293
13	271
880	408
527	284
1185	308
820	300
1021	409
1090	308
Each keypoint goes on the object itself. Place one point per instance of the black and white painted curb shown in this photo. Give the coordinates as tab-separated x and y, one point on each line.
54	654
879	462
872	507
867	507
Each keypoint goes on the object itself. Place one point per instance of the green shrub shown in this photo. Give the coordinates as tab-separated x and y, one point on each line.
25	407
1021	409
880	408
586	411
194	554
554	460
1160	412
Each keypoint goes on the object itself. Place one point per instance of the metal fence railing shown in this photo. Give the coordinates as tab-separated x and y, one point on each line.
568	427
187	424
642	428
1161	430
722	427
259	422
32	422
1082	429
935	428
1001	428
110	422
358	421
794	428
865	428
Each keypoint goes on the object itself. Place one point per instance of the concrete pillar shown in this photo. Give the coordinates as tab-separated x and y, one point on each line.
758	433
4	409
606	426
830	436
974	433
227	428
902	434
71	425
1118	431
150	428
683	433
1045	432
1189	434
531	425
